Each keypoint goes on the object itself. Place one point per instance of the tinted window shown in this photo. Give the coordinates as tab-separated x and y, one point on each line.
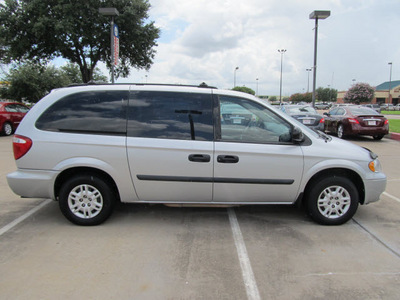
293	110
11	108
22	108
340	112
358	111
93	112
169	115
333	112
246	121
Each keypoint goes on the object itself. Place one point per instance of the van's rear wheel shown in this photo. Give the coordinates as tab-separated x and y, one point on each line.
332	200
86	200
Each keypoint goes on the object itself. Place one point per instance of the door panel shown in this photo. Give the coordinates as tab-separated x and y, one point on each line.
263	173
162	170
170	145
254	159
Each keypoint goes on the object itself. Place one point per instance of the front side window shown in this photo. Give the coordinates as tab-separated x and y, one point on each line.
171	115
246	121
101	112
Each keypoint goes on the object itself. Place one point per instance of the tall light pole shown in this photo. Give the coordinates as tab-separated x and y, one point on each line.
390	81
308	79
256	86
281	51
111	11
234	77
316	15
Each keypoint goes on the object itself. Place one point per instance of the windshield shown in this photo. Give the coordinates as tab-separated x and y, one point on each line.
293	110
359	111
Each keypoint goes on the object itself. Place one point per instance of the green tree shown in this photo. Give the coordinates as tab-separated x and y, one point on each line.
32	81
73	73
273	98
39	30
326	94
306	97
244	89
359	93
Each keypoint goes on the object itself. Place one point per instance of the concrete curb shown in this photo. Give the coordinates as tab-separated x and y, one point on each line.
393	136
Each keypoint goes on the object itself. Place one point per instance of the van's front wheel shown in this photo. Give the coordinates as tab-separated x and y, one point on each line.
332	200
86	200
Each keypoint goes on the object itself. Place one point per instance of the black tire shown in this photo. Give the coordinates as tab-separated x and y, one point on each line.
340	132
378	137
7	129
86	200
332	200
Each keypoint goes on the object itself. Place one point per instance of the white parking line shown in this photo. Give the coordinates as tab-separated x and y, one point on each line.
23	217
391	196
247	272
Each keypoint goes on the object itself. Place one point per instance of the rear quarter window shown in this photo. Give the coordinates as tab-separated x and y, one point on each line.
102	112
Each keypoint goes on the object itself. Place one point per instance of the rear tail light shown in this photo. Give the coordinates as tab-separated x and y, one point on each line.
322	120
21	145
386	122
355	121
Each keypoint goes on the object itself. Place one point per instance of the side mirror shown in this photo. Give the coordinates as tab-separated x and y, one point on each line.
326	114
297	135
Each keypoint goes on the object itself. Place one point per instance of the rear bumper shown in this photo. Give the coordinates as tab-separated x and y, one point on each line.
360	130
33	183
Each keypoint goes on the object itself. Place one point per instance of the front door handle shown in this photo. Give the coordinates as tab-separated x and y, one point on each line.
199	157
228	159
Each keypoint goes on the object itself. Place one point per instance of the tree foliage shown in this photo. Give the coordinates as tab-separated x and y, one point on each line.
31	81
306	97
39	30
73	73
359	93
326	94
244	89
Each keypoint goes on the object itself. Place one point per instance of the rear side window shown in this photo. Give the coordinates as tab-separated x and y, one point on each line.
170	115
101	112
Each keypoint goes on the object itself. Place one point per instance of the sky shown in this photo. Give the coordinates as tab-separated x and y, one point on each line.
204	41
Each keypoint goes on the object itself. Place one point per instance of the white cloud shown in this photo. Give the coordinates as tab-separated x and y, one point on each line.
205	40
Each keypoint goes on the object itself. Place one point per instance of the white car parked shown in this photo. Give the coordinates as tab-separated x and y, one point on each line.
90	146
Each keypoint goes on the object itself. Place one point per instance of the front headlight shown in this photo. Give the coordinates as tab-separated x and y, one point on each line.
375	166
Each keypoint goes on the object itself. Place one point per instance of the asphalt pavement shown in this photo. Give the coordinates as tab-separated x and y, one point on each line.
158	252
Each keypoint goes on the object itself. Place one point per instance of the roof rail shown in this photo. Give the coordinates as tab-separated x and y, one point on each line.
201	85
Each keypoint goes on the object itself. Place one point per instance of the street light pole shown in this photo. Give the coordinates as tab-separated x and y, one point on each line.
308	79
281	51
111	11
234	77
390	81
257	87
317	14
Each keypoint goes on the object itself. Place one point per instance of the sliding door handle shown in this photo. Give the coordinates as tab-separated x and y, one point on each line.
199	157
228	159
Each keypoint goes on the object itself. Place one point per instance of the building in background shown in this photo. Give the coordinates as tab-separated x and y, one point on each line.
381	93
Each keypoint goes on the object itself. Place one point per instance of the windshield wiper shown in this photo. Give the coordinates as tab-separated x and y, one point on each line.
323	135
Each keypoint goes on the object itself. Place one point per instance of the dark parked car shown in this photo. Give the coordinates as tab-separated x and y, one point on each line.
306	115
11	115
356	120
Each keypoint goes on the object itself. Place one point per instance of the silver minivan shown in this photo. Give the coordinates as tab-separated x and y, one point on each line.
90	146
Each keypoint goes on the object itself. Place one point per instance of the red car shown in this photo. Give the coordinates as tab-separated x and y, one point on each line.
356	120
11	115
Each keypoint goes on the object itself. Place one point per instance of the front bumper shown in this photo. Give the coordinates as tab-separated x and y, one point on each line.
374	188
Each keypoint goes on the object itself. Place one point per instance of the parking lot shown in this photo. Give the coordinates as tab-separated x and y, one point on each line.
158	252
